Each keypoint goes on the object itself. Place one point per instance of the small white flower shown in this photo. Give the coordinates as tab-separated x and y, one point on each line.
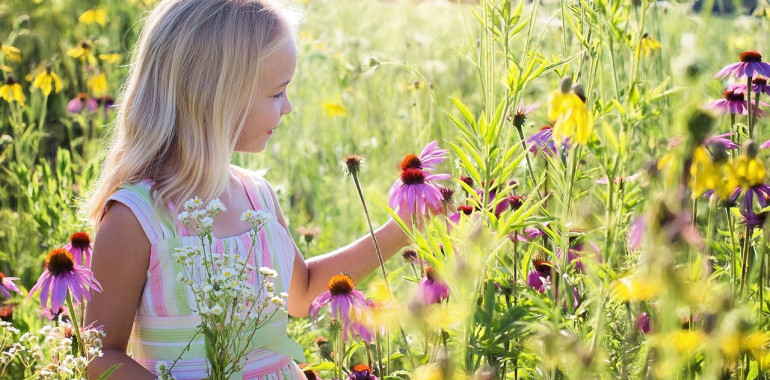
183	216
193	204
268	272
207	222
217	309
284	295
216	206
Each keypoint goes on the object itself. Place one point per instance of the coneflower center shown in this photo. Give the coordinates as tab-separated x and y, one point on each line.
360	368
413	176
59	261
2	276
80	240
467	210
759	81
430	273
340	284
543	266
411	161
10	80
751	56
734	97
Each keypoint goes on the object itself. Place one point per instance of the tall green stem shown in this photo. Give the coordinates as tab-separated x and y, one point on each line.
374	238
76	326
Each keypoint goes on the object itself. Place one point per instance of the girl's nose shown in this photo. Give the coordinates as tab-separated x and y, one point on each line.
286	107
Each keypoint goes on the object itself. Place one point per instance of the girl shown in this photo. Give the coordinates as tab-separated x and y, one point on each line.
208	78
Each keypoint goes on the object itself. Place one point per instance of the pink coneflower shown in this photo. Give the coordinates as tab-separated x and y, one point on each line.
431	289
344	299
51	315
540	277
78	102
62	274
461	210
414	190
529	234
643	323
361	372
80	246
7	286
520	116
722	140
431	156
750	65
758	86
733	103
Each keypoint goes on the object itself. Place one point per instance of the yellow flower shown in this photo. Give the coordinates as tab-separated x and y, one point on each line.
83	51
428	372
96	15
744	172
334	109
634	288
110	58
98	85
572	119
687	341
647	45
47	80
416	85
11	91
704	174
5	68
12	53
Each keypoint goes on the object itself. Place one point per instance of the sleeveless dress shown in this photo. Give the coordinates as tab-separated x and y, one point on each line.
165	323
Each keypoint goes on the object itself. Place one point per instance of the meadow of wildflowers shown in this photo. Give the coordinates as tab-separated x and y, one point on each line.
631	135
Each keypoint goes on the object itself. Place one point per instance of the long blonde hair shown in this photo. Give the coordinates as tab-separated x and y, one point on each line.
193	74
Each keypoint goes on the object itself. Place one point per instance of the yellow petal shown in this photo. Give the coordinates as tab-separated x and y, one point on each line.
98	84
94	15
334	109
635	289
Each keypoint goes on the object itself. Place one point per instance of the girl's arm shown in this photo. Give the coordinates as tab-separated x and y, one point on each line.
120	260
357	259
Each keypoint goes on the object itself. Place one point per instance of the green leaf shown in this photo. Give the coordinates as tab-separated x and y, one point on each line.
109	371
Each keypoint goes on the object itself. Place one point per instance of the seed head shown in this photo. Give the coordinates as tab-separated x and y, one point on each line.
751	56
413	176
58	261
80	240
411	161
340	284
353	164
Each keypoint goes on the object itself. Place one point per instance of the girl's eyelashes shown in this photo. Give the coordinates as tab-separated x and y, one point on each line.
279	95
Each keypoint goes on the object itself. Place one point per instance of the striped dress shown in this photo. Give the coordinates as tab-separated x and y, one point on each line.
165	323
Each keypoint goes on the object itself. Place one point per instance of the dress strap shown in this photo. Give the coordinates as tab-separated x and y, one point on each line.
257	190
138	198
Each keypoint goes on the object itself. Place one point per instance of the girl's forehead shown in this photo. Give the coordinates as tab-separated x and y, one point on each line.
278	68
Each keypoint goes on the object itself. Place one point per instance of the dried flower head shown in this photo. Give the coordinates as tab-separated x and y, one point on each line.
353	164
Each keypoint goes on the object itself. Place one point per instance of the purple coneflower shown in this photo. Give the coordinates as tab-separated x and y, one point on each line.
7	286
431	156
529	234
520	116
643	323
78	102
540	277
542	141
722	140
361	372
750	65
80	246
461	210
758	86
62	274
414	190
431	289
733	103
344	299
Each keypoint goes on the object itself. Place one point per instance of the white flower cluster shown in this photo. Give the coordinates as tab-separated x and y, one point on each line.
53	358
199	217
231	296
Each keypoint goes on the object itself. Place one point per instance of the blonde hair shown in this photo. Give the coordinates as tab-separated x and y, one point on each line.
194	72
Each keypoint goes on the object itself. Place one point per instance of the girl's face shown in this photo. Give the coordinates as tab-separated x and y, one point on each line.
271	101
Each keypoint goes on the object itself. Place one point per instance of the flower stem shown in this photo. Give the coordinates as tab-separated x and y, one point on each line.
43	112
76	326
733	264
748	105
374	238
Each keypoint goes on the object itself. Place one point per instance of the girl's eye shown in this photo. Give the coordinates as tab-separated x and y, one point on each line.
279	95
